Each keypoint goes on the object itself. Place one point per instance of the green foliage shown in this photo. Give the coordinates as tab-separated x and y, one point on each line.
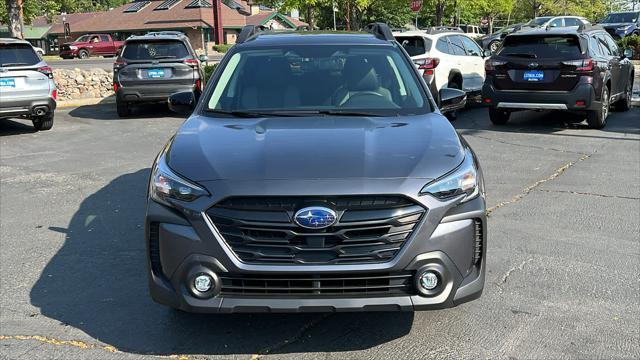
223	48
208	71
51	8
632	42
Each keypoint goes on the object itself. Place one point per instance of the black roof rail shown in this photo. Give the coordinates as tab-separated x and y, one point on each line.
380	31
249	31
442	29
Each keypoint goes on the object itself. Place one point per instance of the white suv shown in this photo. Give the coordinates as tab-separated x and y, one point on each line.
446	58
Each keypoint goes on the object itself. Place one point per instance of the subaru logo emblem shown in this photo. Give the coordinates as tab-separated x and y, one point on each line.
533	65
315	217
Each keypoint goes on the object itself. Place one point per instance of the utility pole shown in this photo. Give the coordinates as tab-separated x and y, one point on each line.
218	35
335	24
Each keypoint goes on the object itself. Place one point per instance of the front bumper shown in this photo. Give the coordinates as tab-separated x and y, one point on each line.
182	243
68	54
541	100
26	107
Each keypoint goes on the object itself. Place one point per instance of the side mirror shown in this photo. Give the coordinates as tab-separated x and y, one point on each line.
628	53
486	53
182	103
553	25
452	100
203	58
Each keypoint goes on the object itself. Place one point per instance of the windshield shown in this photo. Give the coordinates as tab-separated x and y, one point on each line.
621	18
17	55
539	20
377	80
153	50
83	38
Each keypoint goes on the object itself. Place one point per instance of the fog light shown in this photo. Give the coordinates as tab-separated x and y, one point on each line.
428	280
202	283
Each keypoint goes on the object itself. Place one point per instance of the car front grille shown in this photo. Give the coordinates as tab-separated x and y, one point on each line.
368	229
365	285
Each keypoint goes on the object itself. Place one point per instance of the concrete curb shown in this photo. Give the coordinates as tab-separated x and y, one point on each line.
84	102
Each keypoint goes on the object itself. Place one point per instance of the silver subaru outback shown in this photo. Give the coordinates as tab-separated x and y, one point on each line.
27	89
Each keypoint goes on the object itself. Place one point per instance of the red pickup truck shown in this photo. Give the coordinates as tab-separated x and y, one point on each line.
91	45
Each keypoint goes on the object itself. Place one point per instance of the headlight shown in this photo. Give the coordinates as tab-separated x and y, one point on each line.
462	180
166	185
624	28
73	47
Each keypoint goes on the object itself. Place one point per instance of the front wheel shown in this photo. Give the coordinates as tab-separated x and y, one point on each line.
498	117
44	122
83	54
598	118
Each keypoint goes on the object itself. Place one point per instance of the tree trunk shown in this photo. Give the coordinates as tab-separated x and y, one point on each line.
439	12
310	18
14	12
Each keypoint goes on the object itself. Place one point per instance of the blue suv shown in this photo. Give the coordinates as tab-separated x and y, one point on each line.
622	24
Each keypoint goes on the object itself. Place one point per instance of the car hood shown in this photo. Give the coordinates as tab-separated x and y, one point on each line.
206	149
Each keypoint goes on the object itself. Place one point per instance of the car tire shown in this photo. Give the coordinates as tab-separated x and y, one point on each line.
493	46
123	108
596	119
499	117
624	104
43	122
83	54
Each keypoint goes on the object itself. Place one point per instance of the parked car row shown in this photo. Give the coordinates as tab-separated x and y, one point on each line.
574	68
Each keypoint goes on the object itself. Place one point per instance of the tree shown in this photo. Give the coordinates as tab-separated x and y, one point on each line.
14	18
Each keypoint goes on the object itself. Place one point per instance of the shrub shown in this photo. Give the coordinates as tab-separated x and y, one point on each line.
632	42
208	71
222	48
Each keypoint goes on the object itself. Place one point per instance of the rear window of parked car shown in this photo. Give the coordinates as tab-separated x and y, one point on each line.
414	45
17	55
549	47
155	50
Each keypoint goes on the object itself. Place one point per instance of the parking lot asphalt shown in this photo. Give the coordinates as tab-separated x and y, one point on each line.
563	254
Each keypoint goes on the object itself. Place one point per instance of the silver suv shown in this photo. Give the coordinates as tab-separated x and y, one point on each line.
27	89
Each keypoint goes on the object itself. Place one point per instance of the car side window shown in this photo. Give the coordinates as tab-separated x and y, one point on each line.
571	22
472	49
456	45
594	47
104	38
556	23
615	51
442	45
604	46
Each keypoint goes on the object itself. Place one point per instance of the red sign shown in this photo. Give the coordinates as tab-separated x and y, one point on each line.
416	5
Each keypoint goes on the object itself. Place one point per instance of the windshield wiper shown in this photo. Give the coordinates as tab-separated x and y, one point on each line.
247	114
15	64
524	55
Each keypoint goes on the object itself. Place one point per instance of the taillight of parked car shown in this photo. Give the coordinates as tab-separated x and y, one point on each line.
118	64
54	94
191	62
198	84
427	64
585	65
47	71
115	86
491	64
